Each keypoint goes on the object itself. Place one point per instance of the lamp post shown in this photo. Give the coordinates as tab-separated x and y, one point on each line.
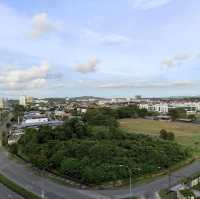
130	176
42	194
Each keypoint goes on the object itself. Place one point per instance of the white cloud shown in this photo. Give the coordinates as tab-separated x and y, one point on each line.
97	37
31	78
90	66
177	59
42	25
182	57
168	62
148	4
149	85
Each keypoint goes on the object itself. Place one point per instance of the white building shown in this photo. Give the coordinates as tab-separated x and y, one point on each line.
35	120
22	100
25	100
190	108
3	103
34	117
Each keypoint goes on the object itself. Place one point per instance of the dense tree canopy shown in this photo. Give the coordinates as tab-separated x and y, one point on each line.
92	153
108	116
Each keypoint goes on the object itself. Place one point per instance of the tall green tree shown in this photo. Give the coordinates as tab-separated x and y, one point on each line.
177	113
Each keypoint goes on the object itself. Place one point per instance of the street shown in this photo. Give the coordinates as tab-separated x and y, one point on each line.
5	193
23	175
149	189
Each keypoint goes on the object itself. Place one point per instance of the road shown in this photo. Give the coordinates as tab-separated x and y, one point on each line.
5	193
25	176
149	189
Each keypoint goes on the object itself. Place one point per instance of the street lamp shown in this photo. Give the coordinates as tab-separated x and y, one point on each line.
130	176
42	173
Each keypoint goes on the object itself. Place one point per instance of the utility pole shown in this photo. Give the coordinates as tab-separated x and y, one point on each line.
169	178
18	120
130	177
42	188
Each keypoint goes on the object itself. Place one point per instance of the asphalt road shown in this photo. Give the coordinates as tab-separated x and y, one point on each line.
149	189
5	193
27	178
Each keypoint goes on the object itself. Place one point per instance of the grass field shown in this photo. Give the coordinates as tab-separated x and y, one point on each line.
186	133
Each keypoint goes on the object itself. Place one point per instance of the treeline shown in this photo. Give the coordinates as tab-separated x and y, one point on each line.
92	152
107	116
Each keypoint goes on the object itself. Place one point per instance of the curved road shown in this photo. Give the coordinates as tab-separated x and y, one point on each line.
5	193
25	176
152	187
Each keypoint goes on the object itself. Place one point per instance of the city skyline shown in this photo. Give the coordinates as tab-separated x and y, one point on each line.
108	49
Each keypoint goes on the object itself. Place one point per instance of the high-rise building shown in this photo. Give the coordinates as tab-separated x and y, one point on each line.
3	103
25	100
22	100
29	99
138	97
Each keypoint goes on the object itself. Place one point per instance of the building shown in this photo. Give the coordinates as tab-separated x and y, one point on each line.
3	103
138	97
34	117
164	108
25	100
61	114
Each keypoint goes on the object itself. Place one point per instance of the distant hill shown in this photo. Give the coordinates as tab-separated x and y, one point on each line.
86	98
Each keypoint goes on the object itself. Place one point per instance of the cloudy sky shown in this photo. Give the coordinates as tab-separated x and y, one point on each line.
99	47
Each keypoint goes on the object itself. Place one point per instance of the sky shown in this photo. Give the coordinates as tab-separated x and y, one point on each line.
102	48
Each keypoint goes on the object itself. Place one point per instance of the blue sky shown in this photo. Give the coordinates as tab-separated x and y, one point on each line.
99	47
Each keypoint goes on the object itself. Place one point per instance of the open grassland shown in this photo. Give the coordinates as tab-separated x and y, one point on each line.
187	134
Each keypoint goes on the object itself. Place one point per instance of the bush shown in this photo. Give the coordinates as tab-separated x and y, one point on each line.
167	135
13	149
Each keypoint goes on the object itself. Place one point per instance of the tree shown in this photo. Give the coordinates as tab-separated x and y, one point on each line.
13	149
71	166
163	134
142	112
4	138
166	135
62	132
177	113
40	161
8	125
78	127
18	111
192	117
44	134
92	153
171	136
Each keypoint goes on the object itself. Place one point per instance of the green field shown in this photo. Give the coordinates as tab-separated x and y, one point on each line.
186	133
